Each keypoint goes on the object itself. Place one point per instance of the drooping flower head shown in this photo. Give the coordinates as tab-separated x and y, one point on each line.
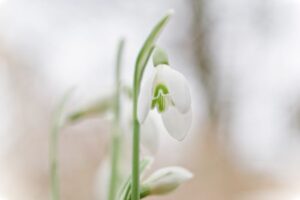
166	91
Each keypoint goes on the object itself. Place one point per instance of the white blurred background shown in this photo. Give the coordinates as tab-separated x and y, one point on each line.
242	61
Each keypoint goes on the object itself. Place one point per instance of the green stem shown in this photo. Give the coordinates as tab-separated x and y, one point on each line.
114	176
54	146
54	163
116	137
135	151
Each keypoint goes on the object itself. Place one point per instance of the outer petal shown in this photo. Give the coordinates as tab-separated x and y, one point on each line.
177	123
166	180
145	97
150	134
177	85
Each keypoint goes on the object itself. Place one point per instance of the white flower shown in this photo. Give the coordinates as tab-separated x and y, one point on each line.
166	180
167	92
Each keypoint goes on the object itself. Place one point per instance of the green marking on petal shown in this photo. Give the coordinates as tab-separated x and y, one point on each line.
160	88
160	98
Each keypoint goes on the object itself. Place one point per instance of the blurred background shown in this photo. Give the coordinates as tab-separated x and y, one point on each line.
242	62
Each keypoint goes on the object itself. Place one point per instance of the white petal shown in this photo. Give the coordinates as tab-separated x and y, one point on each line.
177	123
150	134
145	98
177	85
167	179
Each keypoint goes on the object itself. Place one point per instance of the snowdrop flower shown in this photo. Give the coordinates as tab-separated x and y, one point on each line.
166	180
166	91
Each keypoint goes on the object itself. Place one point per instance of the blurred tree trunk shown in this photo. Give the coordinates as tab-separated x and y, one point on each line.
207	71
217	174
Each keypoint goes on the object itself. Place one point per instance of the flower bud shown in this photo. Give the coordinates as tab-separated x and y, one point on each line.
160	57
166	180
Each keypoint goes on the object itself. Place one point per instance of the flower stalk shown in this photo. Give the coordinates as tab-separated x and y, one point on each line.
116	136
54	162
58	123
140	65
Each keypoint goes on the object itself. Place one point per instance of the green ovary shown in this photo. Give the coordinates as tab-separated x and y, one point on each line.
160	98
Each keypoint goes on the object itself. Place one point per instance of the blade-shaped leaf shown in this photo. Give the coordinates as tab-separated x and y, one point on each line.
148	47
100	107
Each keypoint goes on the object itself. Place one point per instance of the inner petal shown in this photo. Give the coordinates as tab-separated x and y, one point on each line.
160	98
177	86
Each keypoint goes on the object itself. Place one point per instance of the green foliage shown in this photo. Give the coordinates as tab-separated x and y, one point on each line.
125	192
58	123
148	47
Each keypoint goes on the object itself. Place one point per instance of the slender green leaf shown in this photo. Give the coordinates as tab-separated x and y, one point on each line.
100	107
148	46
